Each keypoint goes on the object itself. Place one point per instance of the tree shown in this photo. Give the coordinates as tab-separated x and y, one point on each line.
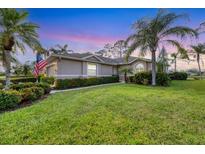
23	69
156	31
117	50
121	47
27	68
198	49
174	60
126	71
61	49
162	61
16	32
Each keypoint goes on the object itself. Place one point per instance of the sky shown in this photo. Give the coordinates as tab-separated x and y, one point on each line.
88	30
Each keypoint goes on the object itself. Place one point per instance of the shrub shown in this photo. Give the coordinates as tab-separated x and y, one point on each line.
21	86
80	82
20	79
196	77
141	76
178	76
46	87
9	99
49	80
1	86
162	79
32	93
131	79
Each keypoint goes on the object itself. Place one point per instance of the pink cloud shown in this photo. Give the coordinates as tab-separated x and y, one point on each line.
83	38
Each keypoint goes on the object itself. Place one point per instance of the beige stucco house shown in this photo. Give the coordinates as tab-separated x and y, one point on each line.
75	65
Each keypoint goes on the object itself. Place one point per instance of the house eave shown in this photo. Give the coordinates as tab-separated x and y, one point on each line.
78	59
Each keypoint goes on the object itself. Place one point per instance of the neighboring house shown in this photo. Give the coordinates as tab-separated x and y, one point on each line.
75	65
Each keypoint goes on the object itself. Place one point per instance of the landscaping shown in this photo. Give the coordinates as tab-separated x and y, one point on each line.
21	94
114	114
82	82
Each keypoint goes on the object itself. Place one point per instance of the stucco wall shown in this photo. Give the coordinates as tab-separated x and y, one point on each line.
106	70
51	69
65	68
69	68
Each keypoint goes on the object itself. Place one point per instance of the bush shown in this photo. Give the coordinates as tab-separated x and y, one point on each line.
141	76
130	79
178	76
1	86
32	93
49	80
9	99
162	79
46	87
80	82
20	79
22	86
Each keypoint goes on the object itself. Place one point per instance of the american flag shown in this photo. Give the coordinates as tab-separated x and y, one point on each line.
40	64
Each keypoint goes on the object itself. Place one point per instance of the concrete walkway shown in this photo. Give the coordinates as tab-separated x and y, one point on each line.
89	87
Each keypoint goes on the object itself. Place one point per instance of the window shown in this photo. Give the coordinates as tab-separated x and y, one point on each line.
92	69
139	68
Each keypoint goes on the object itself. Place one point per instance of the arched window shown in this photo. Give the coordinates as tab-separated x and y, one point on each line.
139	68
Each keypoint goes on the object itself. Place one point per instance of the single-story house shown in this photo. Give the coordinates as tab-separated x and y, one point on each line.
75	65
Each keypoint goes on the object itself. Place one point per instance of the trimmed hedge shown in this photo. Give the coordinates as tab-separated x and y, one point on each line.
81	82
178	76
18	80
162	79
9	99
46	87
1	86
19	93
49	80
32	93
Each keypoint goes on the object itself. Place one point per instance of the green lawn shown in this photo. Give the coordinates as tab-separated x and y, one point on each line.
118	114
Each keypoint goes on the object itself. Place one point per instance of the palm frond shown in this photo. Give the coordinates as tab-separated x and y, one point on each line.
180	31
181	50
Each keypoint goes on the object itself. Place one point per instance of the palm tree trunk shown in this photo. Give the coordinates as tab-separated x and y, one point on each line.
153	68
7	68
175	65
125	76
198	61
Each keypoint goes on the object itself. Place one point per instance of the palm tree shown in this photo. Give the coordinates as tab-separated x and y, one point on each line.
27	68
162	61
126	71
154	32
16	32
61	49
174	60
198	49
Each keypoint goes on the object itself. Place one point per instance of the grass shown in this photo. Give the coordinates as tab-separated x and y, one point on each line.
117	114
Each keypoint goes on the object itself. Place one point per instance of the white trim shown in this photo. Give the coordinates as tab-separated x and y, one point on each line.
93	56
79	76
74	75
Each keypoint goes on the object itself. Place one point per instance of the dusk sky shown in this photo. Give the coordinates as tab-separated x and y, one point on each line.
88	30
